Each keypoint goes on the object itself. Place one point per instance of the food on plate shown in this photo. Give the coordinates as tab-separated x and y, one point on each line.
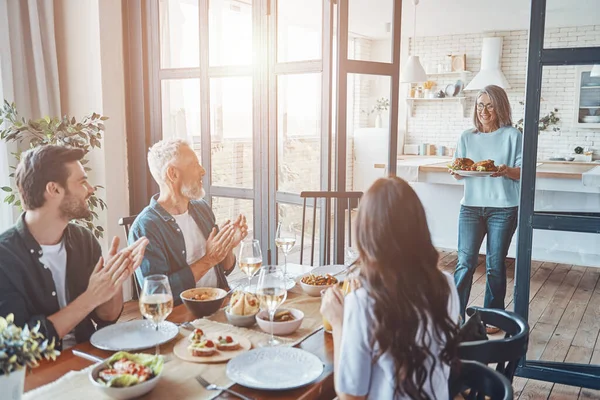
197	336
204	348
226	343
319	280
243	303
466	164
485	165
125	369
461	164
282	316
204	296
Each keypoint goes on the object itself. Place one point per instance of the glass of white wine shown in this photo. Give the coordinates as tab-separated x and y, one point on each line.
250	257
271	293
285	240
156	300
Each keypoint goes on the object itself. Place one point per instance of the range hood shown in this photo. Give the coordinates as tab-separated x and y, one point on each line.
490	72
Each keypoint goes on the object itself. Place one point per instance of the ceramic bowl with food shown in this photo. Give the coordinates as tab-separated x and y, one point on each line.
203	301
240	320
312	284
286	321
125	385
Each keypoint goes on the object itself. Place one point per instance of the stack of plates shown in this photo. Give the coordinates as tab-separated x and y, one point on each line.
591	119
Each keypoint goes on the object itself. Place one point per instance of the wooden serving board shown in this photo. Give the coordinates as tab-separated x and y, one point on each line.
181	350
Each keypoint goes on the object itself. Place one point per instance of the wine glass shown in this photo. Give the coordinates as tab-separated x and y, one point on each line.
351	255
285	240
250	257
271	293
156	300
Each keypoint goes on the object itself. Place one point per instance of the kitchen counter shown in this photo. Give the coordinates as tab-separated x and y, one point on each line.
559	187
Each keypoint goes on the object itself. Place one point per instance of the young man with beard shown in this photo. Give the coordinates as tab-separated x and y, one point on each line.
51	270
185	244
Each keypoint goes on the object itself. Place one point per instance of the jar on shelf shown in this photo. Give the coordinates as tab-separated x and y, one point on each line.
419	93
448	63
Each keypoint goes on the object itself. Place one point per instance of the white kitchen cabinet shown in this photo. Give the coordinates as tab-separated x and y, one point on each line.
587	99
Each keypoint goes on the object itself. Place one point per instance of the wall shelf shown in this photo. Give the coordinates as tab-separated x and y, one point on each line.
452	73
461	100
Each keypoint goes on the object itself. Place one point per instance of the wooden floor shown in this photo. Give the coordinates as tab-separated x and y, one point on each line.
564	320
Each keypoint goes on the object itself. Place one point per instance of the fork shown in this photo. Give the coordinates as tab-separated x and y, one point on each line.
210	386
187	325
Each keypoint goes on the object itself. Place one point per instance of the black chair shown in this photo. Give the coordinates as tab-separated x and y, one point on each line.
126	222
350	200
471	380
505	352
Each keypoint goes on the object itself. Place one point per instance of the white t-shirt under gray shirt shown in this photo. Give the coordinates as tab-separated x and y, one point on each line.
358	375
54	258
195	247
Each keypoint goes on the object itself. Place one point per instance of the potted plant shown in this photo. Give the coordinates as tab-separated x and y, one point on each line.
20	348
380	106
85	134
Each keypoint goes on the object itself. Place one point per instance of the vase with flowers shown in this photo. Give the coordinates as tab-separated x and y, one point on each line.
380	106
20	348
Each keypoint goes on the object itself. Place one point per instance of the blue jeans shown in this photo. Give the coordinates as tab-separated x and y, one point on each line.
473	224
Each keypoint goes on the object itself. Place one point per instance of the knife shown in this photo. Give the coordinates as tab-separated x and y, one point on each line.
87	356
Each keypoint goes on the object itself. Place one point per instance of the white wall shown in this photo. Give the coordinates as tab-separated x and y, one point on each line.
89	38
441	122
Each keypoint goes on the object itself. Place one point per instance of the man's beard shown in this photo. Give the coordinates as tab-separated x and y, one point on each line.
193	191
73	208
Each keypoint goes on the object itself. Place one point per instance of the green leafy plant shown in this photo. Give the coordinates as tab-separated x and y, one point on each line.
85	134
544	123
380	106
22	347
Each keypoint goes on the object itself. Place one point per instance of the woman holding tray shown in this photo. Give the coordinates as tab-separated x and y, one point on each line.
489	205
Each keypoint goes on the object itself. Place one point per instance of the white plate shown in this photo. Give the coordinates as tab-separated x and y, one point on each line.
133	335
290	283
473	173
275	368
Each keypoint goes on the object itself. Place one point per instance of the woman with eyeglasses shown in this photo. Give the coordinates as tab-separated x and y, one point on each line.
489	205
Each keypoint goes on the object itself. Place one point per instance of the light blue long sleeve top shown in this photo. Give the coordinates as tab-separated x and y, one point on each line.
504	146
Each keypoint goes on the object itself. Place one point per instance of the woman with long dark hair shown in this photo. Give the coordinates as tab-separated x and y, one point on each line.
395	336
490	204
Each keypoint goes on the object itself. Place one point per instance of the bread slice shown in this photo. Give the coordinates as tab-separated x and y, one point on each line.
226	343
206	348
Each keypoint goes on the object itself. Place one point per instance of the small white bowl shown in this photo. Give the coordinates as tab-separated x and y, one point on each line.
123	393
280	328
315	290
240	320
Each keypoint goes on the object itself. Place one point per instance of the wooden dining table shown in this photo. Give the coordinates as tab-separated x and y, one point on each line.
319	344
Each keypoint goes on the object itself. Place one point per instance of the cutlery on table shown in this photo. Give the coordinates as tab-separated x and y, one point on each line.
210	386
87	356
187	325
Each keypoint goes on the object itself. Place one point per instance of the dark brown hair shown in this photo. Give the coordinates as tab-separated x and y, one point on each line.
410	294
41	165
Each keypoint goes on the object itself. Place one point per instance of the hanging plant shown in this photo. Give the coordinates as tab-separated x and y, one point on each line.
85	134
544	123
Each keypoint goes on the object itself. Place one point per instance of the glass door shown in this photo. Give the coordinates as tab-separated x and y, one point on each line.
299	105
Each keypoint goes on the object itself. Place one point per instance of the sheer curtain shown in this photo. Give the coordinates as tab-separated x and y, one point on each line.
28	71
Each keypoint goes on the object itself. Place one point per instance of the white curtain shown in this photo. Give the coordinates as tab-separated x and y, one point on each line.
28	71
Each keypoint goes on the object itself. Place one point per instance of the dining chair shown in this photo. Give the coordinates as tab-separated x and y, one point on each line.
126	223
505	352
349	200
472	380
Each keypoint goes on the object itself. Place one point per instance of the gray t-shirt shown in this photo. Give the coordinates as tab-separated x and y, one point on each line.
357	375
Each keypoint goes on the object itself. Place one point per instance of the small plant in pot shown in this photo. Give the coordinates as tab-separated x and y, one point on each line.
20	348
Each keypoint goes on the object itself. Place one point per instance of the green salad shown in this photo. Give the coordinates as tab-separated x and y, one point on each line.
126	369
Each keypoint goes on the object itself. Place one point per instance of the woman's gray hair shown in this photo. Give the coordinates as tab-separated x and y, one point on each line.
161	155
500	103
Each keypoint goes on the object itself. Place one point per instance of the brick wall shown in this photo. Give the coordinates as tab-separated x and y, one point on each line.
442	123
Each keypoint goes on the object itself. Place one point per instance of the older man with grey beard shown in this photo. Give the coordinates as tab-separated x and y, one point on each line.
184	242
